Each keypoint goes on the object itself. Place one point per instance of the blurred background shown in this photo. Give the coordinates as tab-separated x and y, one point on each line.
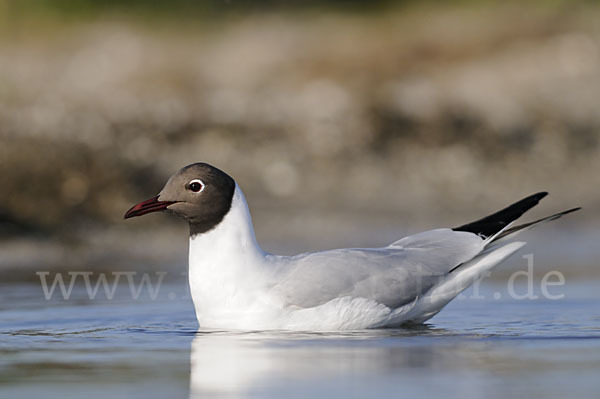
346	123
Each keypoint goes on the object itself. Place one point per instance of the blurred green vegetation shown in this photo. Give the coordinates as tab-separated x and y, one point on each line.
76	9
66	9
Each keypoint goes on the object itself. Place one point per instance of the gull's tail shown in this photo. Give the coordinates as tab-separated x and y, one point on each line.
495	230
437	297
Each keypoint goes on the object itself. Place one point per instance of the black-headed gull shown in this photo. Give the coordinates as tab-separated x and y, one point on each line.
236	285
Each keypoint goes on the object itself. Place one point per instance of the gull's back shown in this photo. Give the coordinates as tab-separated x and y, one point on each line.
393	276
413	278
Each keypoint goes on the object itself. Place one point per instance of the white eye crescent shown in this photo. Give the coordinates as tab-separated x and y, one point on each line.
196	185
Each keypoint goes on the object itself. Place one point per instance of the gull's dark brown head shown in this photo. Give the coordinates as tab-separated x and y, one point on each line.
199	192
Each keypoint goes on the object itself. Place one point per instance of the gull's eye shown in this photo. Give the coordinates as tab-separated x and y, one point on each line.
196	185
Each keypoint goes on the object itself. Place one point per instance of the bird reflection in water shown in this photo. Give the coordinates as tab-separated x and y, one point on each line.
247	363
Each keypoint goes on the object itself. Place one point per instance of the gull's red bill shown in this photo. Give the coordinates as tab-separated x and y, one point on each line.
150	205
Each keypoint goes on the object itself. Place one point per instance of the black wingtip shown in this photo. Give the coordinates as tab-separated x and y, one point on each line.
495	222
559	214
513	230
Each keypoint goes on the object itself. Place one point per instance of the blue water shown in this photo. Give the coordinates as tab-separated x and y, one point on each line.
150	348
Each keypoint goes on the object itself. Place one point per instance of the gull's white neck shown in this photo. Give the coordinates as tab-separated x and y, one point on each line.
226	264
233	236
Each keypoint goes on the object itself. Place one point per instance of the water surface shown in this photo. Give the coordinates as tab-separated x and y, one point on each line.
147	347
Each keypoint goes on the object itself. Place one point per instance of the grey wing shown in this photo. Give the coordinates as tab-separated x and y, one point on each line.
392	275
